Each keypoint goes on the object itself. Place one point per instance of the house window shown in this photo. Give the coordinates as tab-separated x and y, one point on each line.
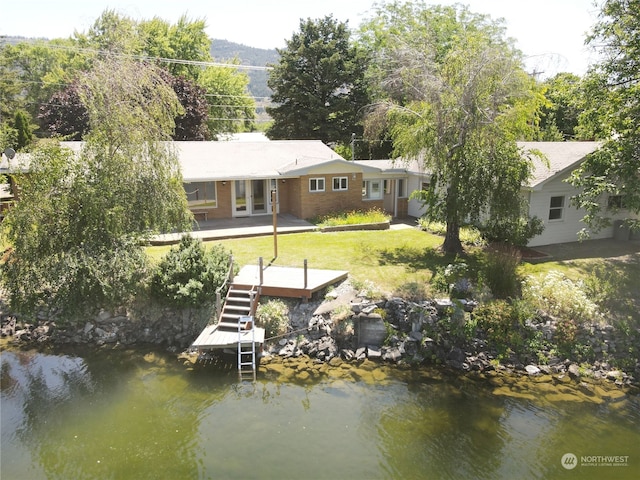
316	184
340	183
401	188
556	208
616	202
201	194
372	190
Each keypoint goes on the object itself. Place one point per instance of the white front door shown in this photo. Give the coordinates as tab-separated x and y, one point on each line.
240	197
252	197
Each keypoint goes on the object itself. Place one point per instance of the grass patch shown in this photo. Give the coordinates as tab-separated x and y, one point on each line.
468	235
387	258
406	261
353	217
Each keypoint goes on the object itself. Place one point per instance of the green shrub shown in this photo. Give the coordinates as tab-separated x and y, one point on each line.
469	235
273	316
503	324
351	217
499	270
565	334
366	288
560	296
189	274
412	291
512	231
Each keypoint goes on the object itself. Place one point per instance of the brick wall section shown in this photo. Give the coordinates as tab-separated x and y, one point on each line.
287	194
296	199
329	201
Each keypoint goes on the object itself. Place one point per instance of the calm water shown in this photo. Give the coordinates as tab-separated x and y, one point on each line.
122	415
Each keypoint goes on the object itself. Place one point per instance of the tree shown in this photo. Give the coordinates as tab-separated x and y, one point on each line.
318	85
22	125
192	124
559	117
76	232
32	72
613	113
65	115
231	109
454	95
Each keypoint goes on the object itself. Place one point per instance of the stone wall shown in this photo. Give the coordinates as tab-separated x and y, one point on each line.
141	324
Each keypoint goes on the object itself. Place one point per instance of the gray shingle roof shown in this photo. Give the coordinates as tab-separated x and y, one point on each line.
563	157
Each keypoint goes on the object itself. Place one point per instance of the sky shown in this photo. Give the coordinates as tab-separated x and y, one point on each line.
550	33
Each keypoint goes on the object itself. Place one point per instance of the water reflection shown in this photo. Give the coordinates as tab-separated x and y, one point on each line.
127	415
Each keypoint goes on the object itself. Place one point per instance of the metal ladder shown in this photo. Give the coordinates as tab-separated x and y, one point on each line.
246	349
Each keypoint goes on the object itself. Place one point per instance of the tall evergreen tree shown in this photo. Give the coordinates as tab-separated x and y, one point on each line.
318	84
22	125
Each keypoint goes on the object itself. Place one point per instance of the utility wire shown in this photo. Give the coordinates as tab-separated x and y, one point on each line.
160	59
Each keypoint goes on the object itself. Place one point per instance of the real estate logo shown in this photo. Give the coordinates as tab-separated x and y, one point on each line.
569	461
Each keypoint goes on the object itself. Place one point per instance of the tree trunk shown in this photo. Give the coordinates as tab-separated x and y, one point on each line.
452	243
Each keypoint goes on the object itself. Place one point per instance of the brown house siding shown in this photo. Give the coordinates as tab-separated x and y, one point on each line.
369	204
295	198
329	201
403	207
289	193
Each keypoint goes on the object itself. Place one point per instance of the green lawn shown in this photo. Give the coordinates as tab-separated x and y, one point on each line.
393	258
388	258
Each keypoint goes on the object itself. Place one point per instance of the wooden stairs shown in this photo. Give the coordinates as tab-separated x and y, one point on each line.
237	315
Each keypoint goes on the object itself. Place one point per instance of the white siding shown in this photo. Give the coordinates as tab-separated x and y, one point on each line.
566	229
415	207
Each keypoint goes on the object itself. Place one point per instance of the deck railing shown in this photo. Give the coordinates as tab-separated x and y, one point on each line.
227	280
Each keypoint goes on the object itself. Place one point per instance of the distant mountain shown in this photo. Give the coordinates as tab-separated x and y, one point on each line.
261	57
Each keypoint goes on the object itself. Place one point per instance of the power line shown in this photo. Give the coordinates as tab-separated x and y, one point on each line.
161	59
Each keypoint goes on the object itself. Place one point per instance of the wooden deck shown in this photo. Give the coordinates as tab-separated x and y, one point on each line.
213	338
288	282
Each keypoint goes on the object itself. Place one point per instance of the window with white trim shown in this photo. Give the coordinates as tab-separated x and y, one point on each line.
556	208
372	190
316	184
201	194
340	183
616	202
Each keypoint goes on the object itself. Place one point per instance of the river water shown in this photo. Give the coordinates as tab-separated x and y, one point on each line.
130	415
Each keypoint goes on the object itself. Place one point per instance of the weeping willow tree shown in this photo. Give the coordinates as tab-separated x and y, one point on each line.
77	229
452	93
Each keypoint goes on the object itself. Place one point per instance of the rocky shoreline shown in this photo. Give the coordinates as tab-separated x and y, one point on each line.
347	328
419	333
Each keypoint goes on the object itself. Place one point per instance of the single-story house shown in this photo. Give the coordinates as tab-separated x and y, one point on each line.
549	194
230	179
236	179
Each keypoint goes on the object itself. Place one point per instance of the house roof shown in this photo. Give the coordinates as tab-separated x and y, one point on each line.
391	166
562	157
241	160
